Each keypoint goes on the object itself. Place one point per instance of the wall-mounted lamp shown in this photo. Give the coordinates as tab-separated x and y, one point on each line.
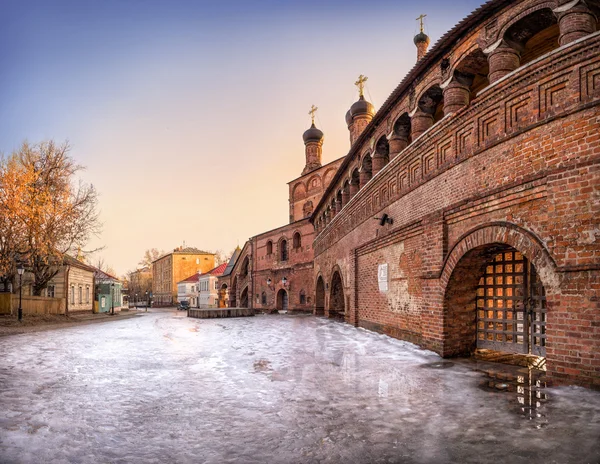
284	281
269	281
385	219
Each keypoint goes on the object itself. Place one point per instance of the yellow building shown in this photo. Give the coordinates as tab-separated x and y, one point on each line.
175	267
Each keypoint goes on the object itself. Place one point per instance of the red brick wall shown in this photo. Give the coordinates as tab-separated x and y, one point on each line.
298	269
519	166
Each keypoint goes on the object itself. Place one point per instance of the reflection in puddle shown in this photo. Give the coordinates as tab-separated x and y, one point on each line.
438	365
527	385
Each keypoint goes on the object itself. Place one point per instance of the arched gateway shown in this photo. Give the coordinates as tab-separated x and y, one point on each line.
494	296
320	297
337	308
282	300
223	297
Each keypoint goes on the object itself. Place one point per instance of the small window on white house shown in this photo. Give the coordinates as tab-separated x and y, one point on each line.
87	294
80	294
72	294
50	291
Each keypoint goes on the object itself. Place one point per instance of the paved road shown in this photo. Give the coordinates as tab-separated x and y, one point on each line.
163	388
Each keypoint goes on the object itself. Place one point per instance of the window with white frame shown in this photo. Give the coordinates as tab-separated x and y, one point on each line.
50	291
72	294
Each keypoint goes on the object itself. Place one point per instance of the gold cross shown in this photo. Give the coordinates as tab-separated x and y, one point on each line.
313	110
420	18
360	83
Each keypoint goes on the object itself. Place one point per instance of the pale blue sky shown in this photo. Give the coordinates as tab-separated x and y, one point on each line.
189	115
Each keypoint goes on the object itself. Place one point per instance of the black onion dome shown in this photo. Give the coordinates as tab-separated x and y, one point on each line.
348	117
313	134
362	107
421	37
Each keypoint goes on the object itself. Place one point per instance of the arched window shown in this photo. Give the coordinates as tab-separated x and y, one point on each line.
297	240
245	267
264	298
534	35
366	171
307	208
269	247
283	252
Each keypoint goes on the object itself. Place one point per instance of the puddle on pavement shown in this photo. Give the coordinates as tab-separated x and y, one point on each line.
525	385
437	365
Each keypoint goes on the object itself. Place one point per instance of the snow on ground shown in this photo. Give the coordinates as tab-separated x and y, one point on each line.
292	389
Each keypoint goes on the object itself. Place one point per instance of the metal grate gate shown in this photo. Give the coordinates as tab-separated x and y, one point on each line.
511	306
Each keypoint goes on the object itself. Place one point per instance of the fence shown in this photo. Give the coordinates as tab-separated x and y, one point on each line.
31	304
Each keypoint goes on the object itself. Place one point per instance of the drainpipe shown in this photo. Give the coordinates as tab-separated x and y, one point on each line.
66	291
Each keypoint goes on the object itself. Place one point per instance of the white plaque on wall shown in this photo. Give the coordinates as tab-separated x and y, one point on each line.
382	277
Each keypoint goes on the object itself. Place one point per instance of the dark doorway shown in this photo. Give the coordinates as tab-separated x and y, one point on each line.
282	300
320	298
337	309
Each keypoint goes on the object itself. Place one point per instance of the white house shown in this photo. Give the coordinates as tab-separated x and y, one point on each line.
187	290
208	294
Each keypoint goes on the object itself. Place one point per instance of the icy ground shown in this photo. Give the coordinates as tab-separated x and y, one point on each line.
163	388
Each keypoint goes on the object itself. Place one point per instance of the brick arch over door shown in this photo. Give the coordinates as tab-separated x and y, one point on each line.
337	291
463	269
508	234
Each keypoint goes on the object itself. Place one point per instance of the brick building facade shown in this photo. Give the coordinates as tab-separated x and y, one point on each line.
466	214
274	270
174	267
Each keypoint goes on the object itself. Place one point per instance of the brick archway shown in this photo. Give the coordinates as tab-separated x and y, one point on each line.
464	267
320	296
337	304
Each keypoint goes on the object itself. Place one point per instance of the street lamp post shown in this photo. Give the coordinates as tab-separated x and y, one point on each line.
20	270
112	298
135	302
146	301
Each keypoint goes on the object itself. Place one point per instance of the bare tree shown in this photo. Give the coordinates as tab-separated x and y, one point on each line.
222	257
150	255
53	213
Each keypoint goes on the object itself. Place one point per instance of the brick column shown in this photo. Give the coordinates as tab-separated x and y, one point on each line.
574	22
338	206
456	96
397	144
420	122
364	177
378	163
345	197
353	188
502	60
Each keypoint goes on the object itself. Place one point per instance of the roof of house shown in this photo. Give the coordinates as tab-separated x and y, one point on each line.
184	251
70	261
231	264
101	275
193	278
217	271
430	58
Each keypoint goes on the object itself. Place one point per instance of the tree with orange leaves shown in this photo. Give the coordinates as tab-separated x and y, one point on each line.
45	211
